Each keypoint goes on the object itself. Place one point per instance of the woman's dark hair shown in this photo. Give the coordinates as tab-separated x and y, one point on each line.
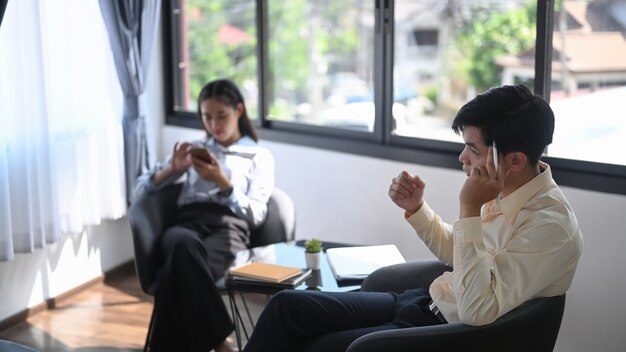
227	92
511	116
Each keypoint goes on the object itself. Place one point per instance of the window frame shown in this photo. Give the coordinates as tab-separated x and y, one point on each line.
380	143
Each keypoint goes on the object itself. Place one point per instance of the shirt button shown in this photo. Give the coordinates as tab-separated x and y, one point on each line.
458	234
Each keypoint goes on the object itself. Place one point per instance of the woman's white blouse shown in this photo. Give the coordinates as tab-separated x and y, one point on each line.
249	167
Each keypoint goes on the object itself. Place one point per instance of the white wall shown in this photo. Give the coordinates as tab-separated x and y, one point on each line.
343	197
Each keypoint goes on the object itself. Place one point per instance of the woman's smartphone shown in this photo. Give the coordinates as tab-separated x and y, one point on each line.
200	153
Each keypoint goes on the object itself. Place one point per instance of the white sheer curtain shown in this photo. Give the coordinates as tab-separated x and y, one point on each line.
61	147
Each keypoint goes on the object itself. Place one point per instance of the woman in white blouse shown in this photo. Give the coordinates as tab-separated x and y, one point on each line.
229	180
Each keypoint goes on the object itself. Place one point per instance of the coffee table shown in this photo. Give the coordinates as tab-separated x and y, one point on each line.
287	254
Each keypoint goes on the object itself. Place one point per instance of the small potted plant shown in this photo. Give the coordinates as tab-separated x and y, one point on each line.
313	253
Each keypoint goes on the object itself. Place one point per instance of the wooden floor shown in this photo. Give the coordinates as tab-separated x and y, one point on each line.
111	315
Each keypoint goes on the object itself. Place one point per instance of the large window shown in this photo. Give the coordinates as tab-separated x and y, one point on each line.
589	81
389	75
214	39
321	59
445	52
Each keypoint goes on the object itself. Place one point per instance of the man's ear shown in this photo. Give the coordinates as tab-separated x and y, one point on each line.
518	161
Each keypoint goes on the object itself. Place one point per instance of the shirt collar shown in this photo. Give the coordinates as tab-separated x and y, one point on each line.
243	141
514	202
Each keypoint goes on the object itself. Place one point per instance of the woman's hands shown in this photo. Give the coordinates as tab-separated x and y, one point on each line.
179	163
181	160
211	170
407	191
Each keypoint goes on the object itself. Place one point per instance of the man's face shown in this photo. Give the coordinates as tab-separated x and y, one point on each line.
475	152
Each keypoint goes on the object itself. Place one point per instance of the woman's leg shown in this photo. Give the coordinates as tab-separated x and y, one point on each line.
190	312
222	245
292	318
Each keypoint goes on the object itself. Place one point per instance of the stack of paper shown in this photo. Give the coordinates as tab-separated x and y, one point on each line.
265	271
270	275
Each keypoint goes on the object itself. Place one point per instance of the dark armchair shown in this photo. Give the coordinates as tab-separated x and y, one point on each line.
533	326
152	213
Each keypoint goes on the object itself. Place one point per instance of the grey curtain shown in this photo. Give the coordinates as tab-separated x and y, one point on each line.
132	28
3	6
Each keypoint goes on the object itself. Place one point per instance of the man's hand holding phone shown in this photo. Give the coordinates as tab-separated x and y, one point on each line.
483	185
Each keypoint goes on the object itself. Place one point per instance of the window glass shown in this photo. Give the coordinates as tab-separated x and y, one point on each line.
589	82
446	52
218	40
321	60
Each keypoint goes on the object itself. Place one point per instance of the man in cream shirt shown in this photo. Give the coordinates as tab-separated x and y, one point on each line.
525	245
516	237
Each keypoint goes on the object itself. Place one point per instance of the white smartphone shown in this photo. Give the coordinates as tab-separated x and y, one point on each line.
495	155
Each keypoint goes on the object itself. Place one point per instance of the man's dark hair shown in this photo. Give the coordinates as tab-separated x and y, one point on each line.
511	116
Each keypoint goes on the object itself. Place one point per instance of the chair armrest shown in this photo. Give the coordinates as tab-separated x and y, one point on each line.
442	338
533	326
400	277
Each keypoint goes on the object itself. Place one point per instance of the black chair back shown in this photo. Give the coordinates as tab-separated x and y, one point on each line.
149	216
280	223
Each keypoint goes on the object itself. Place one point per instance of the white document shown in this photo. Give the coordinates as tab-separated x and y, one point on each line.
356	263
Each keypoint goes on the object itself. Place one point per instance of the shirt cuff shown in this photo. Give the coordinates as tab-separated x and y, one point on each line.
422	218
149	185
235	199
468	230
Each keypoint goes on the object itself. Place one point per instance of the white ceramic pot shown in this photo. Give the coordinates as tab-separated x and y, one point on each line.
313	260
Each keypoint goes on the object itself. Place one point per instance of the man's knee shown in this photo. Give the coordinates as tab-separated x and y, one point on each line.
285	301
294	303
283	298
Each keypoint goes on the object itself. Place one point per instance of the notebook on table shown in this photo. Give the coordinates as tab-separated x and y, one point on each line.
292	282
268	275
354	264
